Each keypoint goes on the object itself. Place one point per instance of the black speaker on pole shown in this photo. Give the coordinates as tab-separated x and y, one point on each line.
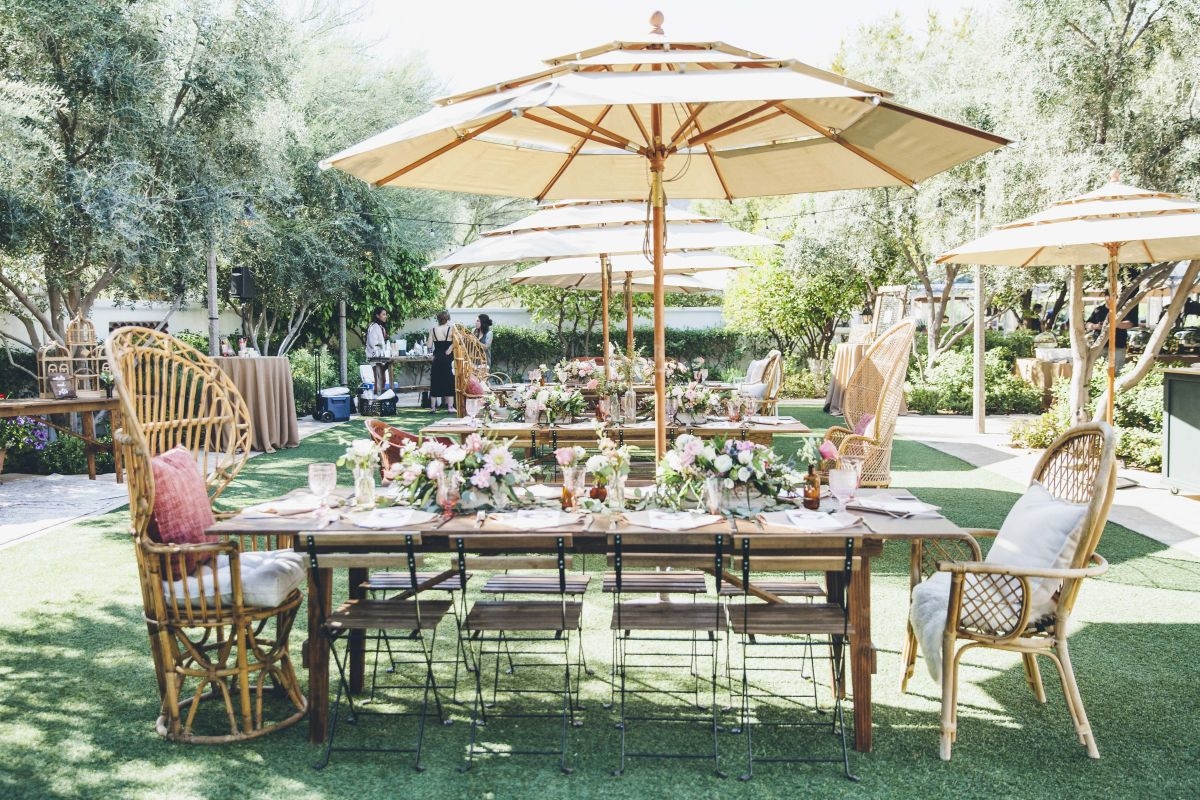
241	284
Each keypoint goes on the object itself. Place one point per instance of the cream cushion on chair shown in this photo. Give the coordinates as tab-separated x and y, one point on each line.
754	372
268	577
1039	532
756	390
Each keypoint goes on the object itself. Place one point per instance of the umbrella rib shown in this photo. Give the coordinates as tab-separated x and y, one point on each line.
716	130
690	122
1033	257
705	138
570	157
828	134
572	131
945	123
593	126
466	137
711	156
636	119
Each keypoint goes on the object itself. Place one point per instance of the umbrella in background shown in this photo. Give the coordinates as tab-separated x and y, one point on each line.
1115	224
610	122
603	237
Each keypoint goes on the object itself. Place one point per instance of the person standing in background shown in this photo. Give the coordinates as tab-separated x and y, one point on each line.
441	374
483	332
1096	321
377	335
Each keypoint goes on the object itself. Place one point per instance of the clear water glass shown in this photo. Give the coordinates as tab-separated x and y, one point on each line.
843	483
714	495
322	478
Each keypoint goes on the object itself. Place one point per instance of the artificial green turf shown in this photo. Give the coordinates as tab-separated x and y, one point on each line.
77	697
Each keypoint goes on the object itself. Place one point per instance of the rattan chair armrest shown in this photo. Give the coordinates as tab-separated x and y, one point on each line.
982	533
839	430
1066	573
216	548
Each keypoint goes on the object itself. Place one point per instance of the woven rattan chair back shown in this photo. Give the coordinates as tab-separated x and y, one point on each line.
876	388
470	361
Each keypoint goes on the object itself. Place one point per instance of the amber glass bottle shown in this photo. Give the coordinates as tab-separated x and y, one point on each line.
812	489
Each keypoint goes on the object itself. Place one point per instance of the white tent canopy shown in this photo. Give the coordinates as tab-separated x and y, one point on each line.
590	280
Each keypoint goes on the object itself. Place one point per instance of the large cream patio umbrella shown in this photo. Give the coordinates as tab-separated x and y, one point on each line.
610	122
609	236
1115	224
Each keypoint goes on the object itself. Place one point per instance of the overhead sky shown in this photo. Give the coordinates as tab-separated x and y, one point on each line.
472	43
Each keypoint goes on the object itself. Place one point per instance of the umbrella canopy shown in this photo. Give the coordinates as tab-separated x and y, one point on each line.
591	213
566	271
1115	224
607	122
588	278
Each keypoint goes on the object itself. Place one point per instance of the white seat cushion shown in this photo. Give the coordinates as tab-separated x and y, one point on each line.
268	577
756	390
754	373
1039	532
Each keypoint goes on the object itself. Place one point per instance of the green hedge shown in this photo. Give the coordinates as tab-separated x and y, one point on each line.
65	455
947	386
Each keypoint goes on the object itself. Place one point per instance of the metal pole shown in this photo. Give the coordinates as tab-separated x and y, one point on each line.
214	320
342	342
629	314
979	401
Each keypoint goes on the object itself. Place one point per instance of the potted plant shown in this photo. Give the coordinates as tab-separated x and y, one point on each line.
107	381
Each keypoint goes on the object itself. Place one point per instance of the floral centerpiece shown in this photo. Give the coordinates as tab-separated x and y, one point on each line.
633	368
107	382
693	402
699	371
362	456
489	470
609	468
821	453
560	403
677	371
740	466
576	371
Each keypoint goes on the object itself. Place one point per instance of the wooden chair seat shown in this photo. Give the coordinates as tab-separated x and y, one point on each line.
687	582
399	581
780	588
780	619
387	615
510	583
524	615
697	617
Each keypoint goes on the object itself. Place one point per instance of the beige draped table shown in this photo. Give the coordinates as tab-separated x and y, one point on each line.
266	384
845	359
1042	375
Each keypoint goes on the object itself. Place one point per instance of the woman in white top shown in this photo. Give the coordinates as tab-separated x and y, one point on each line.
376	339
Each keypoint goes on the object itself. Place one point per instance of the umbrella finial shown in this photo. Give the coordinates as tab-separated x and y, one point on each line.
656	21
1115	176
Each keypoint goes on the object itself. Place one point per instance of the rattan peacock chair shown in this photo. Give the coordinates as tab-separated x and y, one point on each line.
990	604
871	403
470	361
206	647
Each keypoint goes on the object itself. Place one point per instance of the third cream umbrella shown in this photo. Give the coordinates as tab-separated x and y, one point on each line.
1115	224
627	119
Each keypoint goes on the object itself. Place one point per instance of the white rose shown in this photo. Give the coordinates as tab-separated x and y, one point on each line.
362	447
709	453
745	457
723	463
744	474
596	463
454	454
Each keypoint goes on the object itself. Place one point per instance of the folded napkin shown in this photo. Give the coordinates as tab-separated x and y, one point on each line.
764	420
811	521
532	518
544	491
670	520
290	506
891	504
389	518
448	422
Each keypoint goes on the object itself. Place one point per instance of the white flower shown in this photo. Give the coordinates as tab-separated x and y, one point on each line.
709	453
362	448
596	463
745	457
434	469
454	454
744	474
723	463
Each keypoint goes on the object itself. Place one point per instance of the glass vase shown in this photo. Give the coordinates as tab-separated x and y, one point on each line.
614	408
616	494
364	487
629	406
570	477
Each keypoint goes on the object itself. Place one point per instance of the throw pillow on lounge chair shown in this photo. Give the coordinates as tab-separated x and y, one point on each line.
1040	531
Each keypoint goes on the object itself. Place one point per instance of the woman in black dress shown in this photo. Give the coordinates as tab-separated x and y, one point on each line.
441	374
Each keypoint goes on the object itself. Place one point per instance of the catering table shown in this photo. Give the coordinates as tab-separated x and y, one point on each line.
87	407
529	436
341	536
845	359
265	382
409	372
1042	375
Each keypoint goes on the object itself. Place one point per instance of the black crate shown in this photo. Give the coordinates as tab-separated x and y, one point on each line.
377	408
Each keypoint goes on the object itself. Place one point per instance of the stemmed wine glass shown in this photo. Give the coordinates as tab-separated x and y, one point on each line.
322	478
449	483
843	483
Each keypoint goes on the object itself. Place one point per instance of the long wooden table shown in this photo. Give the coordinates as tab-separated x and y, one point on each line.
530	437
340	537
87	408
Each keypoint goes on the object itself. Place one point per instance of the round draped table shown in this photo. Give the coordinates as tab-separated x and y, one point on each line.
845	359
1042	375
266	384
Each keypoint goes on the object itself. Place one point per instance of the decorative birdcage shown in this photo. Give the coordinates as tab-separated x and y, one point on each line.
87	356
53	360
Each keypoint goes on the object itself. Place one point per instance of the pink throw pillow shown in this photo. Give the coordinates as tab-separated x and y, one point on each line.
474	386
864	422
182	510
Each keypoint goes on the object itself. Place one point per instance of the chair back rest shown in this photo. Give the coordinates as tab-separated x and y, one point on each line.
172	394
876	386
512	551
680	550
1080	466
773	375
760	553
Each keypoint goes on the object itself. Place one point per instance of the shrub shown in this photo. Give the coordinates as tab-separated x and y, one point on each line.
1141	448
922	400
64	455
15	381
518	350
194	339
947	385
799	381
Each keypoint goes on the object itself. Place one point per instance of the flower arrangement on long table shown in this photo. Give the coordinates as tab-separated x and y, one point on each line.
744	468
488	468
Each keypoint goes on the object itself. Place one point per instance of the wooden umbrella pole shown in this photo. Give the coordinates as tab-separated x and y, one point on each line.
629	314
605	294
658	203
1112	330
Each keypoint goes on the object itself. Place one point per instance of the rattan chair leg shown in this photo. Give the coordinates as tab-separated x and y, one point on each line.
908	657
1083	727
1033	676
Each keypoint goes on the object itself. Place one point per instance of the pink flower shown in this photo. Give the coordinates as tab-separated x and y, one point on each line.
434	469
828	450
482	479
592	384
474	443
565	456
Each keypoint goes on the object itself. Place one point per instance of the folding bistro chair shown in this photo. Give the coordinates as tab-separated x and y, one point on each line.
541	629
656	634
768	631
407	617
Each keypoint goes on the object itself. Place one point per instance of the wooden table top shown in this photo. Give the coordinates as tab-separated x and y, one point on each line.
37	406
458	427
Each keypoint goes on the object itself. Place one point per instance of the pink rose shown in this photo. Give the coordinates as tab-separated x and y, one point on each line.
828	450
592	384
565	456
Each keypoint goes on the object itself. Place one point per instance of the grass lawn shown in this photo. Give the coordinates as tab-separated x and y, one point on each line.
78	702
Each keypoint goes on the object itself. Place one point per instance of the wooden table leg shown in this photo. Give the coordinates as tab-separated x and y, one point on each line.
358	638
862	654
88	418
114	423
319	605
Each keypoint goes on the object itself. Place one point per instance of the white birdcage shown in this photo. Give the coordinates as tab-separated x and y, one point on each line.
53	360
87	356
